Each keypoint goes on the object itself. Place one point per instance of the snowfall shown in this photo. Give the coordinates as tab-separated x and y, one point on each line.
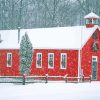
50	91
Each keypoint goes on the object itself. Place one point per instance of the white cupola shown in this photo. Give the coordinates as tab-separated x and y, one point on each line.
91	19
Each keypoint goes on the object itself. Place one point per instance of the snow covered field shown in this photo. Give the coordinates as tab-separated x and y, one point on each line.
51	91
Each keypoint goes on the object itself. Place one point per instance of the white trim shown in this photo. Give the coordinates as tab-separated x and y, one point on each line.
86	21
61	60
51	48
9	49
48	60
37	59
7	59
96	60
79	63
92	21
46	48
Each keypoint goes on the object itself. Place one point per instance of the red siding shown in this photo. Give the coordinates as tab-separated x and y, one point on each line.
72	63
89	25
87	54
14	70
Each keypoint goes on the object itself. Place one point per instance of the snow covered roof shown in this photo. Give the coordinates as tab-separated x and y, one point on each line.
53	38
91	15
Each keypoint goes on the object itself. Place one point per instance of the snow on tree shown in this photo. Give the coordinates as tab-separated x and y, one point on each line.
26	55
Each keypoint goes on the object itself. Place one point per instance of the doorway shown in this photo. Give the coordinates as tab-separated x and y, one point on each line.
94	67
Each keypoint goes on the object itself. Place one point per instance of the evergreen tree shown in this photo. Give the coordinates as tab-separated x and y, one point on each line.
26	55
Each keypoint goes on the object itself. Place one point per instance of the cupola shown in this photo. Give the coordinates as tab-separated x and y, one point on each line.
91	19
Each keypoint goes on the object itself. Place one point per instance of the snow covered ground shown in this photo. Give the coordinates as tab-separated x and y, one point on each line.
51	91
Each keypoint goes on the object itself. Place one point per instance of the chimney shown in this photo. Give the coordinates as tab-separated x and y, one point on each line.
19	34
0	39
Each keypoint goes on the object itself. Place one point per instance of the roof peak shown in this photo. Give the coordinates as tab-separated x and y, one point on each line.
91	15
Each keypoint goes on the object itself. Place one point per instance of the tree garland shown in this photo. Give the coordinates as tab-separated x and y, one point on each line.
95	47
95	36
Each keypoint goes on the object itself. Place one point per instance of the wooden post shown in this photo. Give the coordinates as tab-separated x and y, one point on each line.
65	77
90	78
24	78
83	78
46	78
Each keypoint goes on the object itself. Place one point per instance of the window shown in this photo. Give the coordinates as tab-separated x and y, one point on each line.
9	59
94	58
51	60
95	21
39	60
90	21
63	60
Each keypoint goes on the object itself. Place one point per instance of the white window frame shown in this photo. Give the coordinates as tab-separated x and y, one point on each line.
48	60
65	60
95	58
37	59
7	59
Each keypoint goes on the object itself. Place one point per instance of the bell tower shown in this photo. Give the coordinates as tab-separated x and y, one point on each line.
91	19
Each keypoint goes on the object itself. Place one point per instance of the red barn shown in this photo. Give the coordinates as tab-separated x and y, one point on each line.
74	50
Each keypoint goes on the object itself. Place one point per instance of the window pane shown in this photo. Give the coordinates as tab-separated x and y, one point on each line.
39	60
63	61
90	21
9	60
50	60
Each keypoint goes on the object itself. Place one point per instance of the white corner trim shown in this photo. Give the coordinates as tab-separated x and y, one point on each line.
79	63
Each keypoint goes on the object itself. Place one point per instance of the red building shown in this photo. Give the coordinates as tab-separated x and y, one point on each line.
72	51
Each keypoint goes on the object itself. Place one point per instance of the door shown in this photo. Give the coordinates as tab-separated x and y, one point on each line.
94	67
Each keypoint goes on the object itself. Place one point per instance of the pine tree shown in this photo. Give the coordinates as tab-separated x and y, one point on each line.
26	55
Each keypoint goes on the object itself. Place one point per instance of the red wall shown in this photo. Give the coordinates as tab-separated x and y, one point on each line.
87	54
72	58
72	61
71	70
14	70
89	25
